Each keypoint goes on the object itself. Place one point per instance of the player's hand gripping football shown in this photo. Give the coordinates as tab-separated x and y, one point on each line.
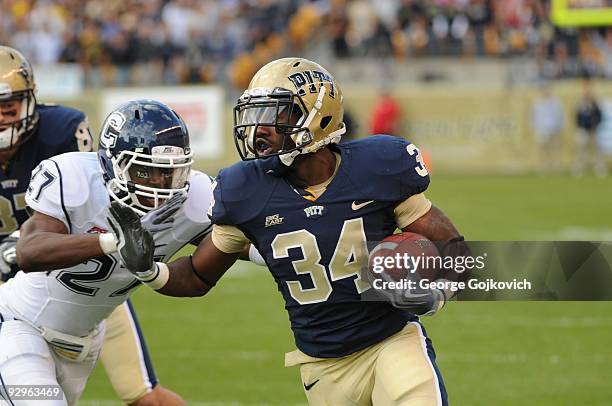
162	218
419	301
8	257
135	244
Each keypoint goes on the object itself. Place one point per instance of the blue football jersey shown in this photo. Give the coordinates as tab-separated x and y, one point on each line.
316	249
60	129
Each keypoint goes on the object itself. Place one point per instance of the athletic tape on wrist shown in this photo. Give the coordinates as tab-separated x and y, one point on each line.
255	257
160	280
108	243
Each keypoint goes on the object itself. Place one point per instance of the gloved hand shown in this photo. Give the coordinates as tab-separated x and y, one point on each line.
419	301
8	256
162	218
135	245
422	302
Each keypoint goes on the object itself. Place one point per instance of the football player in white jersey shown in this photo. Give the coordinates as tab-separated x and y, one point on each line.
52	315
31	132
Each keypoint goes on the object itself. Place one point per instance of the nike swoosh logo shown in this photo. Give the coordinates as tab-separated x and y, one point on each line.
308	387
357	206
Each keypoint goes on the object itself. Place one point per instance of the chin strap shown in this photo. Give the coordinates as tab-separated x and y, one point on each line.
332	138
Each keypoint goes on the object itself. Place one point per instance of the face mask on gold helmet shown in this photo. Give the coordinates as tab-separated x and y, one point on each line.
16	84
300	99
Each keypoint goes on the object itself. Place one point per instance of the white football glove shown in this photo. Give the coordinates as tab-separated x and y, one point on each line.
418	301
135	245
8	256
162	218
423	302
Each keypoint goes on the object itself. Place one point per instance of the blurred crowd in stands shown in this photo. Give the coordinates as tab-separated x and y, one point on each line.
119	42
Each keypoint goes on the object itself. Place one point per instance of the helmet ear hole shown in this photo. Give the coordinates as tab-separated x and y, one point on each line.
137	114
325	121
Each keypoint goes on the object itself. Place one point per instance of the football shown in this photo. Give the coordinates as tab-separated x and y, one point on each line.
404	255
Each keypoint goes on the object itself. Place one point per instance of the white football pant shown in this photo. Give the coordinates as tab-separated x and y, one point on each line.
27	359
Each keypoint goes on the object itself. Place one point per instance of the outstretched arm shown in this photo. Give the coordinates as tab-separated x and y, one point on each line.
197	274
187	276
45	244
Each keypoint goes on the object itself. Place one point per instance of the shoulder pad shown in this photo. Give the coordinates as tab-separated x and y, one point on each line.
60	184
199	197
77	170
240	192
44	193
58	124
385	167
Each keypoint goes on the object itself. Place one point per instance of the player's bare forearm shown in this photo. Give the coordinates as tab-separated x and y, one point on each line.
244	254
46	251
434	225
195	276
183	282
45	245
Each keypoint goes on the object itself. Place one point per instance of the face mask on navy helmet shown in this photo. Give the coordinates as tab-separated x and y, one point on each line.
145	154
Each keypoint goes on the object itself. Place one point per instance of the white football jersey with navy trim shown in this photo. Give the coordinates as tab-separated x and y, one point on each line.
70	188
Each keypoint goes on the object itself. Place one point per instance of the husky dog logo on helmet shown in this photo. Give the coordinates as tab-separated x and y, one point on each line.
296	97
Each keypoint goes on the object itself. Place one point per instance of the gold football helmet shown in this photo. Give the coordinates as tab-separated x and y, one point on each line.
18	115
296	96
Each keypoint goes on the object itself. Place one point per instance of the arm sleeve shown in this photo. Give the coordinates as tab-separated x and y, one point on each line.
228	239
45	194
411	209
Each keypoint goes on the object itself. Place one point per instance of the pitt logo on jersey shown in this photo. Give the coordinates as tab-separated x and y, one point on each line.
9	183
314	79
314	211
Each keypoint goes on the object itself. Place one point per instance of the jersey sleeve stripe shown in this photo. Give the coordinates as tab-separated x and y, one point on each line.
62	196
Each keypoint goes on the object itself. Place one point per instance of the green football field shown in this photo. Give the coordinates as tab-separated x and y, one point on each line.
228	347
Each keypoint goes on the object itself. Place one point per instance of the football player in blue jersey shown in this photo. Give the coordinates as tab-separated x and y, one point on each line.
310	205
30	133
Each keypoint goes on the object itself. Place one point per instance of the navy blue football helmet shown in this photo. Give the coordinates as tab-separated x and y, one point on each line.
145	155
